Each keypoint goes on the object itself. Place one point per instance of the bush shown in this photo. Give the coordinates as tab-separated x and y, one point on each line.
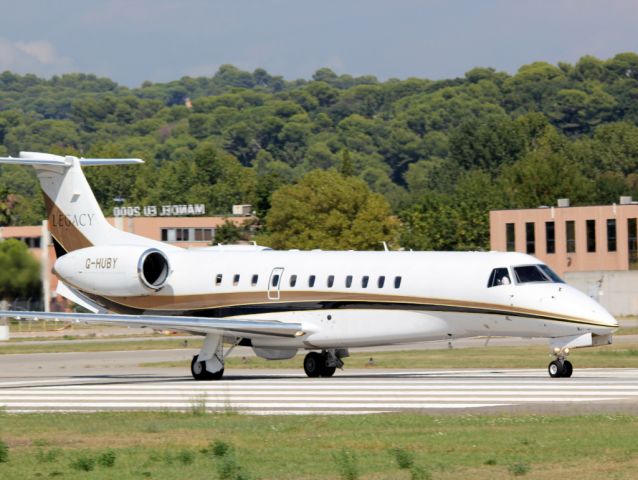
404	458
186	456
48	456
419	473
107	459
347	464
220	449
519	468
4	452
84	463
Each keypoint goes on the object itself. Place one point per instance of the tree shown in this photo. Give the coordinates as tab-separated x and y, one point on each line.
329	211
19	271
459	221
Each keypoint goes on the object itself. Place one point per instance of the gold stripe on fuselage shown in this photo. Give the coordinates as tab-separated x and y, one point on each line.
207	301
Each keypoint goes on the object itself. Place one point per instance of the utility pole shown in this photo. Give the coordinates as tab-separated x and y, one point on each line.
44	260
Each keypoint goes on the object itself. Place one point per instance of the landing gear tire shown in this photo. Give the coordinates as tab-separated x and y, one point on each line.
556	369
328	371
198	369
567	369
313	364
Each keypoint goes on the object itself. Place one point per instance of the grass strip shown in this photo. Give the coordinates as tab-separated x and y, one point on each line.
165	445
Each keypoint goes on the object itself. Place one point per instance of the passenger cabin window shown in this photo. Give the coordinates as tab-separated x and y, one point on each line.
381	281
364	281
397	282
348	281
254	280
535	273
293	280
311	281
236	280
218	279
275	280
331	281
499	276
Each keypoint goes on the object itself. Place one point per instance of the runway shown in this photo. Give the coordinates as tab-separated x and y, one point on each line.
351	392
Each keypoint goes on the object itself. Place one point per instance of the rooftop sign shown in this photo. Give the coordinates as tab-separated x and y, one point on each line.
160	210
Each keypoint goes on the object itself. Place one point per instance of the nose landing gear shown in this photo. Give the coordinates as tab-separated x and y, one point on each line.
560	368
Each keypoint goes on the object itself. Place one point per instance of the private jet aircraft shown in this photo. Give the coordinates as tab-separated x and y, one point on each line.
278	302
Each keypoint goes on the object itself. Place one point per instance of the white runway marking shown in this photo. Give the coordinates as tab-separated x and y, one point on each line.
343	394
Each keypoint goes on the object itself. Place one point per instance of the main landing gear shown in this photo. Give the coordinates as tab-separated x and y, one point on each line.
325	363
198	369
560	367
209	363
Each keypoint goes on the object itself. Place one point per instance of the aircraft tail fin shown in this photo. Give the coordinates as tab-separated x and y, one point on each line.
74	215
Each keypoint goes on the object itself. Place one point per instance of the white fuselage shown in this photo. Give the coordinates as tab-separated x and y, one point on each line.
408	296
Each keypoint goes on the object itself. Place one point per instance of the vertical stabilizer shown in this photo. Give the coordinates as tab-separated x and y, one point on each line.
74	215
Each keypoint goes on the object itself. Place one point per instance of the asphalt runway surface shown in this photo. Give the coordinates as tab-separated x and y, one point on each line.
114	381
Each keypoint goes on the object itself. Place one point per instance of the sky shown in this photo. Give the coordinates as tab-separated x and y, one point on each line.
131	41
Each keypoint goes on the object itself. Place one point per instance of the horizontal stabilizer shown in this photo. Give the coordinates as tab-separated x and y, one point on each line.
202	325
37	158
89	162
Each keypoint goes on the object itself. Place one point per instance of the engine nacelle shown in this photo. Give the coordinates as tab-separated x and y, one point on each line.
121	270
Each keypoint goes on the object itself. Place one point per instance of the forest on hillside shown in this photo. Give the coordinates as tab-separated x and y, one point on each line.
429	158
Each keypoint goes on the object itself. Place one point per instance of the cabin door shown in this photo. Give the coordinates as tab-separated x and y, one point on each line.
274	283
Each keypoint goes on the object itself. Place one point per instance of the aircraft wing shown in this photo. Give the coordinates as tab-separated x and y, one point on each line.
201	325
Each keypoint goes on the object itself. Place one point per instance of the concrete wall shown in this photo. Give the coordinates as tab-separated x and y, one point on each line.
616	291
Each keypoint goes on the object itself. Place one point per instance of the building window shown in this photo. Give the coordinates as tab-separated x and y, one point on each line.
236	280
293	280
203	234
331	281
254	280
550	237
611	235
311	281
348	281
510	237
168	234
381	281
591	235
364	281
530	238
187	234
570	234
182	234
397	282
32	242
632	243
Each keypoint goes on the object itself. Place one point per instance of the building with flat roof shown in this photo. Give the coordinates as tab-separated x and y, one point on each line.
594	248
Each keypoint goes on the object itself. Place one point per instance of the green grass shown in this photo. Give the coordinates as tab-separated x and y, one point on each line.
613	356
181	445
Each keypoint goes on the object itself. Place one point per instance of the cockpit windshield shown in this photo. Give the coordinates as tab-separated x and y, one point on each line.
523	274
535	273
499	276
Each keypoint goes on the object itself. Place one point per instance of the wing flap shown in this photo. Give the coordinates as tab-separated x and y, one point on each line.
204	325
